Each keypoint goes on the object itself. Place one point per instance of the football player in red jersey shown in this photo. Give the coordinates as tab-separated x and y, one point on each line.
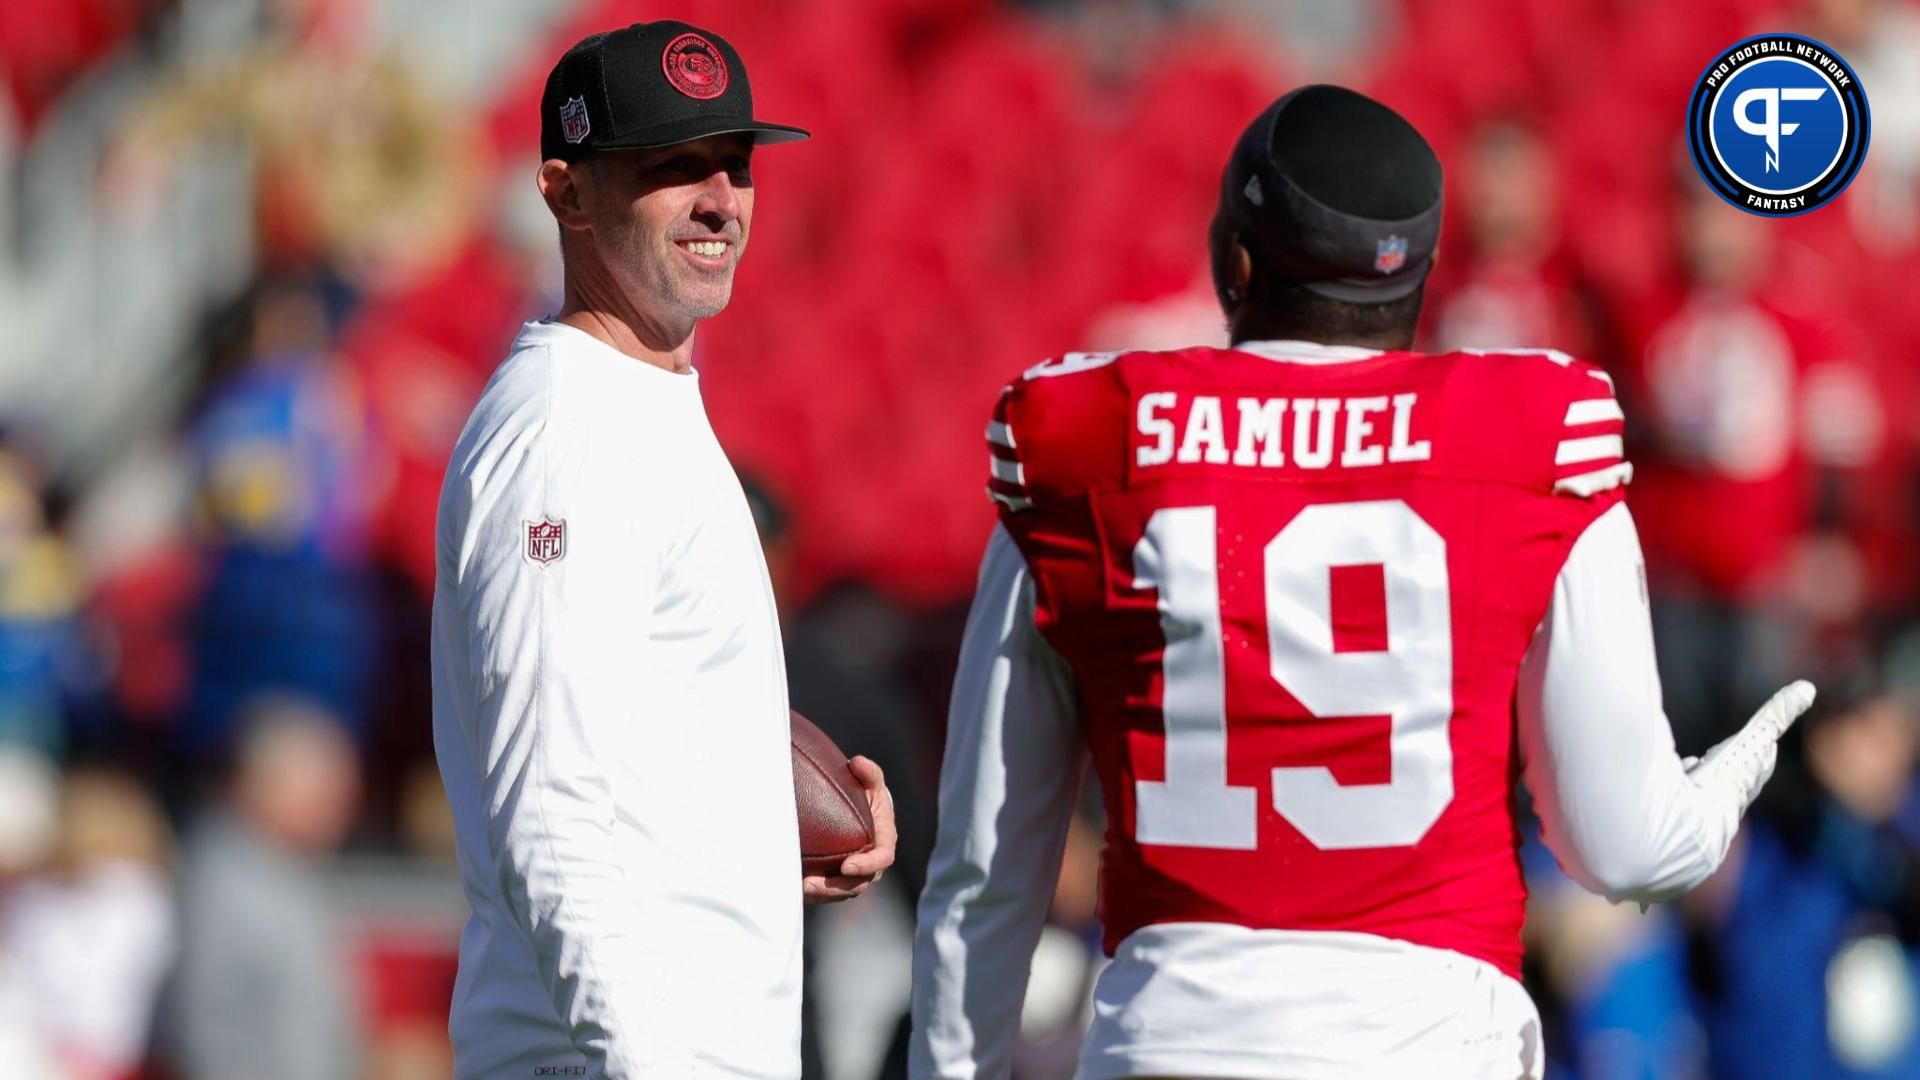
1310	603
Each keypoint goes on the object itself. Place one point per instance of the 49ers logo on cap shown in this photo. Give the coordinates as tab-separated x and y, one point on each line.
695	67
546	540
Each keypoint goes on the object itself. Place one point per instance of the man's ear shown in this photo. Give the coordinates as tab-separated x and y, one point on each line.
563	186
1240	270
1232	276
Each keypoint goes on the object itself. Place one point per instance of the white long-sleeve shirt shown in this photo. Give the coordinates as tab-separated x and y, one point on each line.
610	717
1618	810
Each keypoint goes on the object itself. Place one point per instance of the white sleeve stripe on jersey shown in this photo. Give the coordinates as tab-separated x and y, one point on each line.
1594	483
1593	448
1000	434
1594	411
1011	502
1010	471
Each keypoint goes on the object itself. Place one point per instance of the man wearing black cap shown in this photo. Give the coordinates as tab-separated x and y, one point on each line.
1291	596
609	698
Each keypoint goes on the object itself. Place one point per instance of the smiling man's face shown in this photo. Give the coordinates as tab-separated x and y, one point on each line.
672	223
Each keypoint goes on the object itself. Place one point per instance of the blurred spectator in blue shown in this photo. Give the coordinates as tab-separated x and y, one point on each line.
42	662
1611	981
263	987
95	929
1809	960
289	602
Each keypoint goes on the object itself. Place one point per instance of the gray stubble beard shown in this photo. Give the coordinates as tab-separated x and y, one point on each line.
658	275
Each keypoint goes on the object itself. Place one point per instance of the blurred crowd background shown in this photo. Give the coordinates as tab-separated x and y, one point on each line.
257	258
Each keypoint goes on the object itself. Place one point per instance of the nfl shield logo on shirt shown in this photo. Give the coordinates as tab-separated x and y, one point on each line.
1390	255
546	540
573	119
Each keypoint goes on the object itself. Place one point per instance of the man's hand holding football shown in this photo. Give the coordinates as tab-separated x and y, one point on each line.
860	871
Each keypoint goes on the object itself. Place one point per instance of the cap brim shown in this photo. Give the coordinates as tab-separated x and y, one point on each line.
700	127
1370	291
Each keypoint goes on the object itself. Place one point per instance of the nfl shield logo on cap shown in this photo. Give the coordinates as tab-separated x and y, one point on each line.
573	120
546	540
1390	255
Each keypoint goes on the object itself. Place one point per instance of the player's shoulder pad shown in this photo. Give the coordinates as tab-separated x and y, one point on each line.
1047	426
1585	428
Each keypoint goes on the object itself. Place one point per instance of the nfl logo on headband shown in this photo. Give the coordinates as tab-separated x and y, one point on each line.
573	120
1390	255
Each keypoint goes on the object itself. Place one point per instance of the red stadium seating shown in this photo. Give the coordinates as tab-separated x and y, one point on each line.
976	196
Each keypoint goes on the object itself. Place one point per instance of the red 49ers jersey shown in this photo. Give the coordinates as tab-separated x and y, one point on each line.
1295	585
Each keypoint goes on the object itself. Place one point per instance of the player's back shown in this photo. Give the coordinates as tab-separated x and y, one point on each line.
1295	585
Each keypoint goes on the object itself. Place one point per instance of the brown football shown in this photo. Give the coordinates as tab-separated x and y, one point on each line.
835	821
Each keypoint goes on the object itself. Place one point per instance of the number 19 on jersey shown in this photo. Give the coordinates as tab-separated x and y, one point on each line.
1410	681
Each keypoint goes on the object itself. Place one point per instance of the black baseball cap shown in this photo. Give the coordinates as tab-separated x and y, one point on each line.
1337	193
648	85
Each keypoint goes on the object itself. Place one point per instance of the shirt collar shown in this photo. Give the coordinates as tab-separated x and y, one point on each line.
1306	352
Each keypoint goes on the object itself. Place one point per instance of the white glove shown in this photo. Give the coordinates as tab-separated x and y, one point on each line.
1733	772
1738	767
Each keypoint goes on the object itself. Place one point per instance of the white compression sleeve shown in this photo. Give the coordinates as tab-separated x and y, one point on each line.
1617	806
1007	785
